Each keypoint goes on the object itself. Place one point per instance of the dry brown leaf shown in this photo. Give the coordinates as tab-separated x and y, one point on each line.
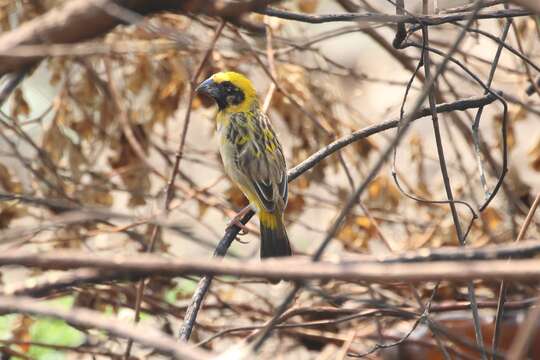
366	226
22	332
348	234
363	221
534	156
169	89
382	193
10	211
85	92
8	182
515	114
76	159
236	197
84	128
92	195
295	204
202	208
54	141
492	218
196	103
308	6
20	105
141	76
356	233
130	168
419	240
364	147
302	182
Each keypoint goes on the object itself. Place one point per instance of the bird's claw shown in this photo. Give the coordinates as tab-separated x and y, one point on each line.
236	222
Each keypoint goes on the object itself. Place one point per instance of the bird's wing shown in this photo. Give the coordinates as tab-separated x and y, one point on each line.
262	163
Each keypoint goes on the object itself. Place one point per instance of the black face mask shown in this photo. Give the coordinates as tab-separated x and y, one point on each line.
230	95
224	93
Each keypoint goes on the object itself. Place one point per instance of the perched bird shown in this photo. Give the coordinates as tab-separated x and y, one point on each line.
252	156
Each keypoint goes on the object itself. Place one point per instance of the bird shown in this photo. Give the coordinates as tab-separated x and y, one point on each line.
252	156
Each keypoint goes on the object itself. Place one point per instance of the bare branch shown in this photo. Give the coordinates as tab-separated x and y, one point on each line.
311	161
10	84
81	20
294	268
532	5
388	18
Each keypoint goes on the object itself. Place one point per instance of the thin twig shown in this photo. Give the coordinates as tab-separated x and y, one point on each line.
476	124
502	289
11	81
449	194
524	335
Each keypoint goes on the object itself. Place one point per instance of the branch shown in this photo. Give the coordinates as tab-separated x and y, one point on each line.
292	268
532	5
80	20
314	159
460	105
52	283
47	285
516	250
388	18
10	84
93	275
86	318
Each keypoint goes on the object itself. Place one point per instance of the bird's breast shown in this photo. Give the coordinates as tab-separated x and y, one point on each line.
227	152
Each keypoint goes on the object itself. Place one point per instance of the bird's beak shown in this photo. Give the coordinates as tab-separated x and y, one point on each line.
206	87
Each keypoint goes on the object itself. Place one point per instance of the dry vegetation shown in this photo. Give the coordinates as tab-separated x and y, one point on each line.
413	146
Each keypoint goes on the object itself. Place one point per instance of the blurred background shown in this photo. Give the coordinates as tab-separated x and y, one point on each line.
99	123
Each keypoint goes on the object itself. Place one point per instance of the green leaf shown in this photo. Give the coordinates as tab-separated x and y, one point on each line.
54	332
64	302
48	331
7	322
183	289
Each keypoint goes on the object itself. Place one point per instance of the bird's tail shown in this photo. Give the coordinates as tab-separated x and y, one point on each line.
274	239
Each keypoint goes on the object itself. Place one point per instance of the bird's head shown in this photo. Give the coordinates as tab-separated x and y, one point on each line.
230	90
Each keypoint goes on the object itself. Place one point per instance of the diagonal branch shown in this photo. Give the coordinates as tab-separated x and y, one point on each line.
310	162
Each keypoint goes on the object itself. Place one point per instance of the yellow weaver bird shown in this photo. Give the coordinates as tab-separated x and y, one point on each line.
252	155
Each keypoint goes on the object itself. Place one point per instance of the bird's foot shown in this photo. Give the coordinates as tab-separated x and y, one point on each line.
235	221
